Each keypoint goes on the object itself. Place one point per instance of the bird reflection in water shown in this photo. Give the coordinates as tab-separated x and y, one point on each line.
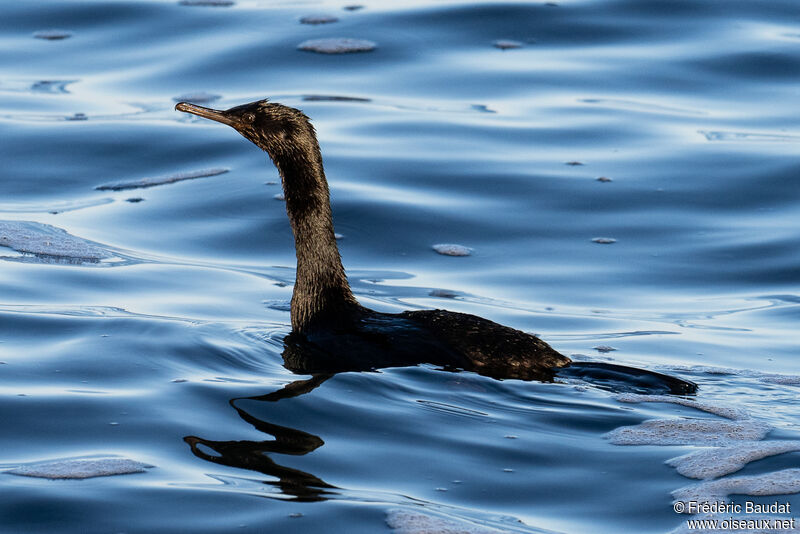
254	455
302	486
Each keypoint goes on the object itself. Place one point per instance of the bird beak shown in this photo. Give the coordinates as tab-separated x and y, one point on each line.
208	113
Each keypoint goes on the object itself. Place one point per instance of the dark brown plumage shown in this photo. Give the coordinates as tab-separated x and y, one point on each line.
331	331
492	349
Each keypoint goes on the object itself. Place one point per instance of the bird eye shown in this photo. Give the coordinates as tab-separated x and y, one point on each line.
248	117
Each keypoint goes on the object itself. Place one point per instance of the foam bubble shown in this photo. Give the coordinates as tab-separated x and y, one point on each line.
80	468
318	19
450	249
728	412
482	108
782	482
506	44
604	348
52	35
688	432
160	180
604	240
717	462
201	97
337	45
444	293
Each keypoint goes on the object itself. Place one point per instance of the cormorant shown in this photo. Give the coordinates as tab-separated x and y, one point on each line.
331	331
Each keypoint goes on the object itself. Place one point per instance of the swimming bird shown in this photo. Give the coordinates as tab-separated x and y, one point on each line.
331	331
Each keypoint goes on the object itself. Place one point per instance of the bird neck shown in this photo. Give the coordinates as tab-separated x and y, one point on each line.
322	299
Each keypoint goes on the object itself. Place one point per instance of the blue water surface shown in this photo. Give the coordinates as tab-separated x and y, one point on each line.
168	350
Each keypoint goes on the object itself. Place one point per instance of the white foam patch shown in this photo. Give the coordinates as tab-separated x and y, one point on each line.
688	432
784	380
80	468
412	522
449	249
728	412
45	240
159	180
782	482
717	462
769	378
337	45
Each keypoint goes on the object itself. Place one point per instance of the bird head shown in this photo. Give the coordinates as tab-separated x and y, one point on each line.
273	127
